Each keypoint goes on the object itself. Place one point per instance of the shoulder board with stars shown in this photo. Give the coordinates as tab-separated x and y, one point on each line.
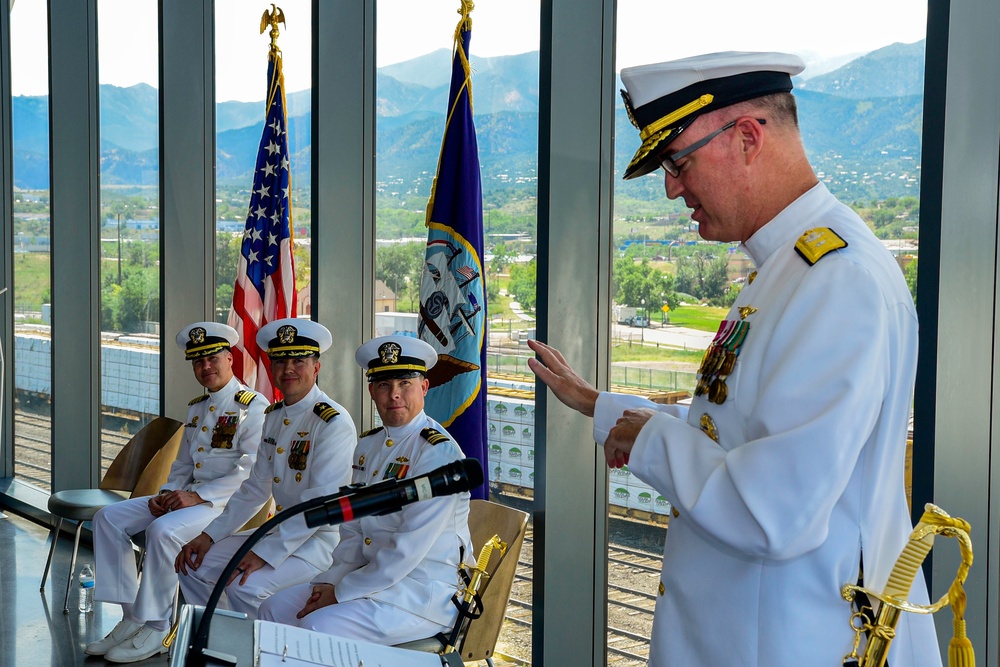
372	431
433	436
816	243
274	406
244	397
325	411
195	401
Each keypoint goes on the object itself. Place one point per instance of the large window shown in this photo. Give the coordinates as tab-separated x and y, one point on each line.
31	294
130	222
414	51
671	289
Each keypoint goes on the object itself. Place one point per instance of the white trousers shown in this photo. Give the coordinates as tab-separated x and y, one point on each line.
116	578
198	584
365	619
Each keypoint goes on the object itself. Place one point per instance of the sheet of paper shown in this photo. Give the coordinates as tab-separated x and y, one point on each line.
277	645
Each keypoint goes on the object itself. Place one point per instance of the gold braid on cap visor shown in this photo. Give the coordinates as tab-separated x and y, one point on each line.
204	350
292	351
396	367
660	129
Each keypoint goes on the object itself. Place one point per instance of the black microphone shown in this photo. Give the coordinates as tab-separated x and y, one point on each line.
390	495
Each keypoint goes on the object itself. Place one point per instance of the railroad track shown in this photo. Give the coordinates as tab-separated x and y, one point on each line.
33	450
633	577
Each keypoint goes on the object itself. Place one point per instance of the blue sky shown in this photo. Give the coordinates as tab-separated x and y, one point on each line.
648	31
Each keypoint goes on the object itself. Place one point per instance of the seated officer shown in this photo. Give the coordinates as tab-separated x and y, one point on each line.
306	452
220	445
393	576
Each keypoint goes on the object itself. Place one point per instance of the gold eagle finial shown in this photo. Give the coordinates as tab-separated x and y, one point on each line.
272	17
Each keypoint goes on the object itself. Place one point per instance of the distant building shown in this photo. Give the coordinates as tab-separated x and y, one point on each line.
385	299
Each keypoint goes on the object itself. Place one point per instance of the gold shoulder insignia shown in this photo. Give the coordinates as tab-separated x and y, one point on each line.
816	243
372	431
274	406
325	411
195	401
433	436
244	397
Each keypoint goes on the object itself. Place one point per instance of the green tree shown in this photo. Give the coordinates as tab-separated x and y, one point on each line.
910	272
715	277
399	266
522	284
637	284
502	257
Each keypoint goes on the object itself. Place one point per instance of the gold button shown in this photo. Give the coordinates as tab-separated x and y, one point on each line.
197	465
298	477
662	589
204	428
368	540
201	449
277	480
287	422
281	450
673	510
211	408
278	508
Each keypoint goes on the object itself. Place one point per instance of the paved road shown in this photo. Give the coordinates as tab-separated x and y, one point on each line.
689	339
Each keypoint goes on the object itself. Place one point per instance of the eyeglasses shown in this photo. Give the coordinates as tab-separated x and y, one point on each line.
669	162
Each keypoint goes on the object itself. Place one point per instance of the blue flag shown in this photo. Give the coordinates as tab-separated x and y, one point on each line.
452	293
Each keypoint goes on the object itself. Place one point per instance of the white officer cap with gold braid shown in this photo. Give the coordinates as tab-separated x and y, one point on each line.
388	357
294	337
663	99
203	339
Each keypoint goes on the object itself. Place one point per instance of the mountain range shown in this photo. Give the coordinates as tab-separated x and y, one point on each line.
860	122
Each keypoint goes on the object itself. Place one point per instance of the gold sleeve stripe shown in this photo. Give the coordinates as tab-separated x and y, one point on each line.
325	411
433	436
245	397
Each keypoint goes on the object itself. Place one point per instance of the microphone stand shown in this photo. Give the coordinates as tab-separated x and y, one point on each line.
198	652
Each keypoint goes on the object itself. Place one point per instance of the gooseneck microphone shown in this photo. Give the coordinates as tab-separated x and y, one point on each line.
392	494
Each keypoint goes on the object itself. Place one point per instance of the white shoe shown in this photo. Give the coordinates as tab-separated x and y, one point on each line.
143	644
118	634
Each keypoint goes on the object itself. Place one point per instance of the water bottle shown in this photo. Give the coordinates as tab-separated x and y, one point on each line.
86	588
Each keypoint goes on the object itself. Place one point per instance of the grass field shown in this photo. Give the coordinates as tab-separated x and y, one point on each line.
702	318
625	352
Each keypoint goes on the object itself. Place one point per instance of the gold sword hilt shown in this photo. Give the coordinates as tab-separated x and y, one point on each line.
172	635
934	521
479	570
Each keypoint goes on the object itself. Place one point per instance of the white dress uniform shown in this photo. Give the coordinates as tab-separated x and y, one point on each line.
395	574
221	437
305	453
782	486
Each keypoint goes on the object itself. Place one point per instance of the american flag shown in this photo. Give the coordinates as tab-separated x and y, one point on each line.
265	277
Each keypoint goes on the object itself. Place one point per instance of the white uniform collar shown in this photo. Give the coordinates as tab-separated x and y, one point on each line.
226	391
789	224
306	403
400	433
